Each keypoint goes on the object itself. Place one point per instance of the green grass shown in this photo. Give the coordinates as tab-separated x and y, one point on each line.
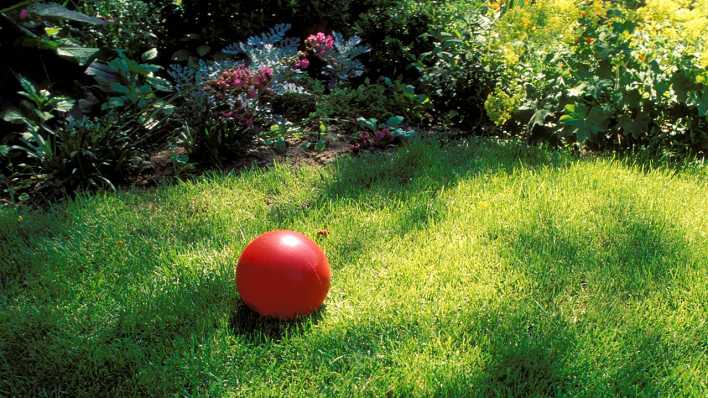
479	269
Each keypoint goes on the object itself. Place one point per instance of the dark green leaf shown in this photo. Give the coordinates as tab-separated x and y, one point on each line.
181	55
160	84
54	10
82	55
538	118
103	74
149	55
370	124
395	121
635	127
114	102
203	50
64	104
119	88
28	87
14	118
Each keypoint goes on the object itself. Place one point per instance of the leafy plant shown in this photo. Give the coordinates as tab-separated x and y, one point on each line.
404	99
128	83
382	134
318	140
276	137
619	81
57	154
342	63
226	104
453	72
135	25
41	26
267	49
344	103
37	110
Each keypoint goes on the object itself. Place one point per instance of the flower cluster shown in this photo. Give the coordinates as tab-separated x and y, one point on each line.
320	43
242	80
302	63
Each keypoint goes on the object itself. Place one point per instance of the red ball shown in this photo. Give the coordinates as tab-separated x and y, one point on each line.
283	274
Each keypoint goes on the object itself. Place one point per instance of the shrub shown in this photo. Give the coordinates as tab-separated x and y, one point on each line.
135	26
345	104
57	154
397	31
225	104
62	145
213	22
454	72
44	41
617	77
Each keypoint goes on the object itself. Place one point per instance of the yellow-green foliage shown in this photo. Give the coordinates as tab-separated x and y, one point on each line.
680	22
500	105
539	26
524	35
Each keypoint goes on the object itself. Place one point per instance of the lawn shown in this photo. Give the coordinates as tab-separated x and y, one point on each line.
476	269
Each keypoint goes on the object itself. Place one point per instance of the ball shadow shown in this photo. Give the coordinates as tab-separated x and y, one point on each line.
256	328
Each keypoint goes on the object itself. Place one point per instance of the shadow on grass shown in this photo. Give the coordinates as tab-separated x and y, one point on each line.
258	329
529	357
424	164
629	250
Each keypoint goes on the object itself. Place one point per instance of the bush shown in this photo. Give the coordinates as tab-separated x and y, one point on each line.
453	73
225	104
397	31
62	145
135	26
603	75
373	100
57	154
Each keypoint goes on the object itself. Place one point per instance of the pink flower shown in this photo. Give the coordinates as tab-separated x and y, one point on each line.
320	43
24	14
266	71
242	80
265	74
302	63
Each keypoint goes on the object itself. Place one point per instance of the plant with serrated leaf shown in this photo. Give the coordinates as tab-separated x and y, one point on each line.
341	62
267	49
226	104
620	76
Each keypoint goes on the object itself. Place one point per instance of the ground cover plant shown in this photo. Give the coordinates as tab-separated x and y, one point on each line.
480	268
